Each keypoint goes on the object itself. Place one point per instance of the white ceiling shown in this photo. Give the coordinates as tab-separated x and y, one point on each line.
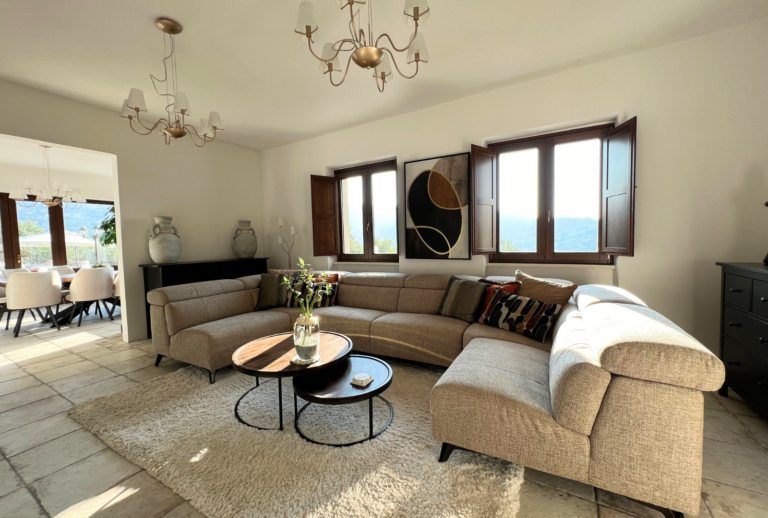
18	153
242	58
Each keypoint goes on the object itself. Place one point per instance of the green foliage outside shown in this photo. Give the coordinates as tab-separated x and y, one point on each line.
507	245
384	246
29	228
355	246
108	236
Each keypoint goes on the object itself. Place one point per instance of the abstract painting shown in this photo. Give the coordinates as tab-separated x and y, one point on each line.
437	208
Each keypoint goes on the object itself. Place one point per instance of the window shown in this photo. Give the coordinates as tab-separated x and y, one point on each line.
354	213
40	236
561	198
368	203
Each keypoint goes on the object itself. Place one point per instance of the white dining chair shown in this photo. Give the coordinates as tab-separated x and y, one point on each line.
32	291
65	270
116	295
5	274
90	285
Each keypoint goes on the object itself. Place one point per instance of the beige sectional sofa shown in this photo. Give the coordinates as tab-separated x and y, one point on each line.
614	399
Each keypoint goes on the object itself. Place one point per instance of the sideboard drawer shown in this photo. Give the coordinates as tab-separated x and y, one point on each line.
760	298
749	331
747	372
738	290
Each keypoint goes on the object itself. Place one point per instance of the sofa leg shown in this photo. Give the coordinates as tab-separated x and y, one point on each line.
445	451
667	513
212	377
157	360
723	391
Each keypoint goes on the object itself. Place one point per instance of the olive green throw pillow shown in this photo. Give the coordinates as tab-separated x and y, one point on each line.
273	292
462	299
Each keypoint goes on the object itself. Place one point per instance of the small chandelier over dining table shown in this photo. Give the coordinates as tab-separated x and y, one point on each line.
366	51
174	126
46	192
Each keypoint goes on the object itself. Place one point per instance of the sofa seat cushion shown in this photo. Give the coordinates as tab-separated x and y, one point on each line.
637	342
293	313
494	399
211	345
352	322
483	331
424	338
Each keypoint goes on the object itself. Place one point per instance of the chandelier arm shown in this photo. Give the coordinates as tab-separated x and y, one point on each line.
383	84
398	68
338	51
330	76
192	131
353	27
385	35
167	124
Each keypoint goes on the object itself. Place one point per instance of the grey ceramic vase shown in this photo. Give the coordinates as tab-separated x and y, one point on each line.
165	243
244	242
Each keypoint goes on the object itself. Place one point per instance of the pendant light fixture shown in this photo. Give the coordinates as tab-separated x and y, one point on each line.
174	125
366	50
46	192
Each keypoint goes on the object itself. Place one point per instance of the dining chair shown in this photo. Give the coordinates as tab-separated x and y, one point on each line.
116	295
65	270
5	274
32	291
90	285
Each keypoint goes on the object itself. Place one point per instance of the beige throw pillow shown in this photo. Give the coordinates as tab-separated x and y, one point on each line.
551	292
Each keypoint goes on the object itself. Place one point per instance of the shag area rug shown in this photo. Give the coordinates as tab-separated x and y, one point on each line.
183	431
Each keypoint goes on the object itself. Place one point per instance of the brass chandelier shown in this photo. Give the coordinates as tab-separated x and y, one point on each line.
367	51
46	192
174	126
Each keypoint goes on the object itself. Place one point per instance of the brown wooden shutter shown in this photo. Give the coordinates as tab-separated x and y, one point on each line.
325	216
484	200
618	190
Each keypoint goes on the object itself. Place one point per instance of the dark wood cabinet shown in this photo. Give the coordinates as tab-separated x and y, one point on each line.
163	275
744	332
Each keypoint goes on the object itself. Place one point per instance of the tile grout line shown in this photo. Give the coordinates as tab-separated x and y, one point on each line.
734	486
46	442
31	490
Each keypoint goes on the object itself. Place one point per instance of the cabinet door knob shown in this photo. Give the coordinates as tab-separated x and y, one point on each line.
762	340
733	324
737	364
734	290
762	299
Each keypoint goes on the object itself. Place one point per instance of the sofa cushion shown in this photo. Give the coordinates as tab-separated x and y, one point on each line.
189	313
353	322
367	297
424	338
590	294
381	280
545	290
427	281
576	380
637	342
483	331
418	300
273	291
211	345
163	296
495	399
519	314
251	281
462	299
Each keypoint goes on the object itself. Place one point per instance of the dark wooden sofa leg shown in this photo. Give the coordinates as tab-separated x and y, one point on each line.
157	360
667	513
445	451
212	377
723	391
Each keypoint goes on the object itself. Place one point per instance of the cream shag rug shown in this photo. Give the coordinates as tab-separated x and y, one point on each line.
183	431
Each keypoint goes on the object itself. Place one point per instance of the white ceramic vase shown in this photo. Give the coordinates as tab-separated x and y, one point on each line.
244	242
165	243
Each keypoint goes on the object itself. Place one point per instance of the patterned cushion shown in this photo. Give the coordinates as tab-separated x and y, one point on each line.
329	300
508	287
293	299
326	301
528	317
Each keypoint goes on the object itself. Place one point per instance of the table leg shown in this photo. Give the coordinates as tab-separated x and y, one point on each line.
370	418
295	408
280	399
257	381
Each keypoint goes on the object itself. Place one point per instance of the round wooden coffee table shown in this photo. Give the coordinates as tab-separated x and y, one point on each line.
334	387
270	357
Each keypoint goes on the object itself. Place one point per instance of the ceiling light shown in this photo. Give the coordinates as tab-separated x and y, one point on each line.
367	51
174	125
46	192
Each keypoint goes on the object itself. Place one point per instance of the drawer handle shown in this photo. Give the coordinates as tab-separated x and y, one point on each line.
737	364
762	340
733	324
762	299
734	290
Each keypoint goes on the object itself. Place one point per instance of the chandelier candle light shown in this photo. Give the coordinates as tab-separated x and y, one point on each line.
366	50
174	126
46	193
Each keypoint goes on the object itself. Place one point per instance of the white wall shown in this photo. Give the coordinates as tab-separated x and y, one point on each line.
205	190
702	162
92	186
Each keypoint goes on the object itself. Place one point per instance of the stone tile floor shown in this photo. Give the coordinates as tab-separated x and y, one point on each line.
51	466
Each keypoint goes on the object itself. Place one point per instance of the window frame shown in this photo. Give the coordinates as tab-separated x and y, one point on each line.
545	229
366	172
10	229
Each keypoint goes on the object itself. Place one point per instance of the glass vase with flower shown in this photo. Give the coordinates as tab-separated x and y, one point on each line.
308	290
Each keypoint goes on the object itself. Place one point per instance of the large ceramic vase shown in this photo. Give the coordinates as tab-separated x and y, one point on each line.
244	242
165	243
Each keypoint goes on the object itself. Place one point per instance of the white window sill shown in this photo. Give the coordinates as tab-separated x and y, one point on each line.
552	265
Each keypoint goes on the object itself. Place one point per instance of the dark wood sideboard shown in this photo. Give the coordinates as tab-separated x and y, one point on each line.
744	332
163	275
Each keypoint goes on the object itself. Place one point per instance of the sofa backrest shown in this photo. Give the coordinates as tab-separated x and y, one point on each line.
422	294
378	291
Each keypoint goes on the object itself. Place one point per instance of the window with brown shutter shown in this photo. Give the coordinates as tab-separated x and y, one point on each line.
484	191
325	215
618	190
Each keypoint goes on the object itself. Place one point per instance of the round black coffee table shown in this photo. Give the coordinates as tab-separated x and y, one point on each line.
333	386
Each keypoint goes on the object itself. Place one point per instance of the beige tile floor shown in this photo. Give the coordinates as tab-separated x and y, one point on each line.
51	466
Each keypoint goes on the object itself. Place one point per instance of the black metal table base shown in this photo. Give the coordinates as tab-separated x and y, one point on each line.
371	435
280	405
